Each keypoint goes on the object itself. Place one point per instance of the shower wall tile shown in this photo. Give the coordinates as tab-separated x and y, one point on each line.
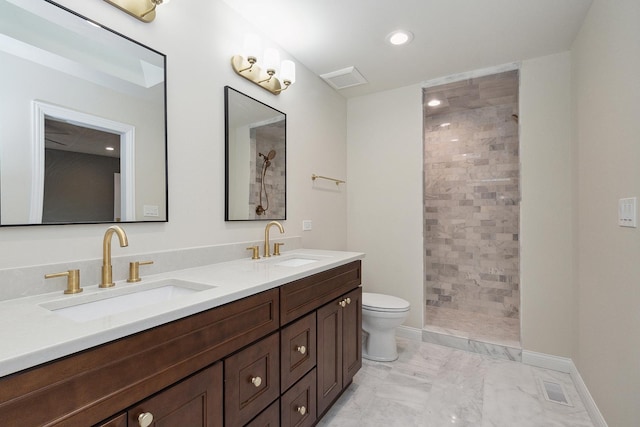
472	197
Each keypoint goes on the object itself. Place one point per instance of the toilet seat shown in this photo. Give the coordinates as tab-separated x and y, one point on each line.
383	303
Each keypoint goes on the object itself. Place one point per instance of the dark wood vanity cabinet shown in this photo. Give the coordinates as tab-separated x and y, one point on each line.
334	298
339	346
191	371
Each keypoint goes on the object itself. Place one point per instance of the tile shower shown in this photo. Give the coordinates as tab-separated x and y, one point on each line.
265	139
471	209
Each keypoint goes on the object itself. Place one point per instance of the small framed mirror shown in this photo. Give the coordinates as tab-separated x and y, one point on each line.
256	161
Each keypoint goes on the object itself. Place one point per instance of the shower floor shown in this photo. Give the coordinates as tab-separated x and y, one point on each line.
475	326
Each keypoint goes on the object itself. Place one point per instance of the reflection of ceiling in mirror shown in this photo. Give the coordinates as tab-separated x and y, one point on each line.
246	111
98	56
69	137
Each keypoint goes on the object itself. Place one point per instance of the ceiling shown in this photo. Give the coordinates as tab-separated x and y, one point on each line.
450	36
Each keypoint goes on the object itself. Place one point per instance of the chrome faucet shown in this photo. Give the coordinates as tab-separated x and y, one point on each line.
107	280
267	252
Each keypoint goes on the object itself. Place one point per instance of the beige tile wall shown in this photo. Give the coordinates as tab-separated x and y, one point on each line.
471	196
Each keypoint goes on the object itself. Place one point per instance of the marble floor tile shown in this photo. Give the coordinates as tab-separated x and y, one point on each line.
434	386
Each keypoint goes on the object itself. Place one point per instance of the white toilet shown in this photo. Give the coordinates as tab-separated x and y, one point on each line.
381	314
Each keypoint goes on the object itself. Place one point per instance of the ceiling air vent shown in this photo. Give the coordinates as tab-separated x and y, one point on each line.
344	78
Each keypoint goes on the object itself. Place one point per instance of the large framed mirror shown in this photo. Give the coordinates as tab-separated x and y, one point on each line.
256	161
82	120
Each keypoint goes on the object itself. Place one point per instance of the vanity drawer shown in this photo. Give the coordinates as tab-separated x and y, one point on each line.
297	350
196	401
251	380
270	417
305	295
298	405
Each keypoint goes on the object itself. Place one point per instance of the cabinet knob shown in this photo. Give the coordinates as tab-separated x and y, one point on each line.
301	410
301	349
145	419
348	300
342	303
256	381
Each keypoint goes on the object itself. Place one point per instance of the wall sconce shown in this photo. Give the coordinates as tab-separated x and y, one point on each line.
246	67
144	10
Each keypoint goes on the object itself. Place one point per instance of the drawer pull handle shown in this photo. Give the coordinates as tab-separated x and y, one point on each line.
301	410
145	419
301	349
256	381
348	300
342	303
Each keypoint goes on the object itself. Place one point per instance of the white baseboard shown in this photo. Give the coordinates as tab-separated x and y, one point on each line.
566	365
547	361
409	333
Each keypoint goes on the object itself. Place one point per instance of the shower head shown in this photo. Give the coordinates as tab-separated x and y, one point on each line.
270	155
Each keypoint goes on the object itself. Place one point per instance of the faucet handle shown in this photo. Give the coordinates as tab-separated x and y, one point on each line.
134	270
73	280
256	251
276	248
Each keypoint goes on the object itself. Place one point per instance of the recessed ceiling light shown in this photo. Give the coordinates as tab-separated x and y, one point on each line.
434	103
444	125
109	148
400	37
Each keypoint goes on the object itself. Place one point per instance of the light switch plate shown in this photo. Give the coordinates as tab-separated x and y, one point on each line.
307	225
627	216
150	210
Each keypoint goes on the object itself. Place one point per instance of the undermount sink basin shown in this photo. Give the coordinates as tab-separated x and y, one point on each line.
113	301
295	262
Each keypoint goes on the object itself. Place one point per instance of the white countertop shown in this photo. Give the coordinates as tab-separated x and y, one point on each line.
31	334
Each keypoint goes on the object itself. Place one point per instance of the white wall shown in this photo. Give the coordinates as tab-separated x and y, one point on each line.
199	37
548	306
385	193
606	84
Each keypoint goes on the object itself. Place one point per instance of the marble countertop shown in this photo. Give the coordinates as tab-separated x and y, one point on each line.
32	334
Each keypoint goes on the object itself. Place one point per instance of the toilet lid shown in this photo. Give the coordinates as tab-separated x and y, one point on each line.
382	302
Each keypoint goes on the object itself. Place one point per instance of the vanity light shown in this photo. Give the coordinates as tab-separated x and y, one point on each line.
144	10
265	78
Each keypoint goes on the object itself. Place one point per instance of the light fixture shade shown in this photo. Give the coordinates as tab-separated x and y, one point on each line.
271	59
252	46
288	71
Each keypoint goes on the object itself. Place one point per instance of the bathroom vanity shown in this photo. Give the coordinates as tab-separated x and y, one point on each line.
277	350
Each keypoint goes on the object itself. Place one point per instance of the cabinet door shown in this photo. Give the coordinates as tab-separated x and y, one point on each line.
251	380
298	405
329	349
194	402
297	350
352	336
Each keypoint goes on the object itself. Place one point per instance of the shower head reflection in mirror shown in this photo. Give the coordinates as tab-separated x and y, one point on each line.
255	159
266	162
